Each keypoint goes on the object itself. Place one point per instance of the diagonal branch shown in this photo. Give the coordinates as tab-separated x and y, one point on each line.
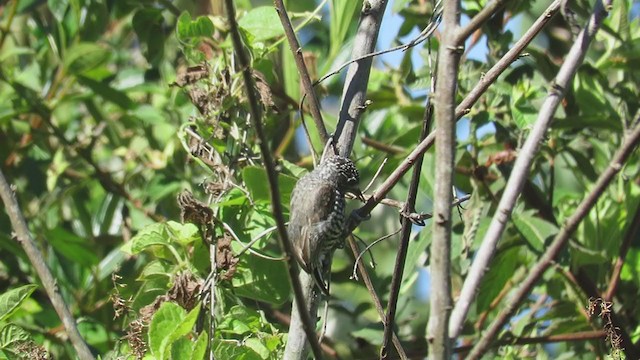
521	169
512	55
546	339
463	108
37	260
374	296
560	240
294	45
256	117
632	233
485	14
407	224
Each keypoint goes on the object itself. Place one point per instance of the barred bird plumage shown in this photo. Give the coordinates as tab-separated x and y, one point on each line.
317	224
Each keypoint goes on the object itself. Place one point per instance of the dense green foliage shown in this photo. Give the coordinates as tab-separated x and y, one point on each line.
111	109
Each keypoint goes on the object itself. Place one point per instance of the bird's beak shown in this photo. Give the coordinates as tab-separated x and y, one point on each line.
359	195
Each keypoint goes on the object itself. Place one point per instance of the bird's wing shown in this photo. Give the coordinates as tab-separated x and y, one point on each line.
310	206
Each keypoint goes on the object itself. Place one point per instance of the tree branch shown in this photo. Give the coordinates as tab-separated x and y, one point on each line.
374	296
577	336
632	233
354	92
407	224
462	109
294	45
447	80
256	117
521	170
563	236
485	14
512	55
48	281
615	326
355	86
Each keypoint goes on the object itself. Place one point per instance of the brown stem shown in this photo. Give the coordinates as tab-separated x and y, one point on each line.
558	244
38	262
577	336
632	233
294	45
256	118
364	274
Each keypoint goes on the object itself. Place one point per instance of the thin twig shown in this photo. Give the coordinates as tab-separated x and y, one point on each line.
314	104
40	265
561	238
577	336
354	274
256	117
481	17
247	247
7	28
632	233
407	224
424	34
375	176
512	55
587	285
379	145
520	171
374	296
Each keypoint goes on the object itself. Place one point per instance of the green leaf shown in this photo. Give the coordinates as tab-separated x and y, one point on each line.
262	23
148	23
155	269
95	22
11	300
184	233
182	328
342	19
502	269
149	115
72	246
14	51
372	333
188	28
535	230
107	92
58	8
417	247
631	269
200	347
233	350
82	57
240	320
295	170
258	184
168	317
261	279
181	349
522	109
154	234
11	335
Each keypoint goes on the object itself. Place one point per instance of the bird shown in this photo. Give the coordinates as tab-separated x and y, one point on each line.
317	221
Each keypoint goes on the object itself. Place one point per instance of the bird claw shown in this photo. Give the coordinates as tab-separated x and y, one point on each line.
355	218
355	215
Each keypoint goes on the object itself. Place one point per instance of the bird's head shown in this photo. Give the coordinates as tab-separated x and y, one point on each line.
348	177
